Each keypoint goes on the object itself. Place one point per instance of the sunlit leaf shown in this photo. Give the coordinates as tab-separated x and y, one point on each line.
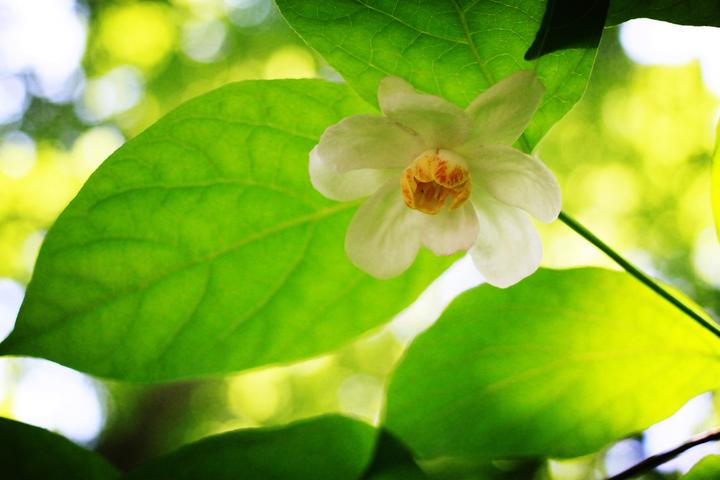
331	448
29	453
200	247
559	365
453	48
706	469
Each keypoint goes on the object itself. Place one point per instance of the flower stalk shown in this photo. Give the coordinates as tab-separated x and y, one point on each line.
637	273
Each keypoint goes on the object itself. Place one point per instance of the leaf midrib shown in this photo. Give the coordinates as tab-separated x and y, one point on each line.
472	397
410	26
473	49
310	218
497	386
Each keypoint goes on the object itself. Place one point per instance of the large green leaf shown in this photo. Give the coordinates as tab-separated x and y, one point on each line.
200	247
453	48
331	447
707	469
559	365
32	453
683	12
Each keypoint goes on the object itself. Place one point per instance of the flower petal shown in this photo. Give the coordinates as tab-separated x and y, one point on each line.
508	248
345	186
365	141
384	235
440	123
450	231
516	179
501	113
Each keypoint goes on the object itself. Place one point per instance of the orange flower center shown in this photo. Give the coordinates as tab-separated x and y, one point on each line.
434	177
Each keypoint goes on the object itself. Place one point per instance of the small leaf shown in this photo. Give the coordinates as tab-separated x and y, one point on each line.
683	12
452	48
569	24
32	453
200	247
559	365
706	469
330	447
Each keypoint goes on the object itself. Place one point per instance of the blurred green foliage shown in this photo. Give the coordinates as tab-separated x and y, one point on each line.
633	158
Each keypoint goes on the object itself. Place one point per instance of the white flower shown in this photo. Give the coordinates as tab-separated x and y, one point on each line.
441	177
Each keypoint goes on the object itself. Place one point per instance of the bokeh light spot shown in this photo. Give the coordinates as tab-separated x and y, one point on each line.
259	395
11	296
361	395
651	42
13	99
290	62
247	13
59	399
706	257
45	38
140	34
94	146
115	92
17	154
202	41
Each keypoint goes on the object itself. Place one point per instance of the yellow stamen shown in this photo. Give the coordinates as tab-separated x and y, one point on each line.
432	178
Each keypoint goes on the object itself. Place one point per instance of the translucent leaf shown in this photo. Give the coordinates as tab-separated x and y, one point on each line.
200	247
452	48
559	365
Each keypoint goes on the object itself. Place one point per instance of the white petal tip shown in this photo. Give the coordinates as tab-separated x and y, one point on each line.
504	279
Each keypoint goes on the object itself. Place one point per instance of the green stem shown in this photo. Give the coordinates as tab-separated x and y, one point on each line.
635	272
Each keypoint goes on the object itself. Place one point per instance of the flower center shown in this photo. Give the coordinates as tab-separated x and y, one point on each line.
432	178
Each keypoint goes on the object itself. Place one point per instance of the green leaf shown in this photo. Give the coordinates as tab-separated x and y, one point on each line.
200	247
569	24
393	461
454	468
32	453
452	48
683	12
559	365
330	447
706	469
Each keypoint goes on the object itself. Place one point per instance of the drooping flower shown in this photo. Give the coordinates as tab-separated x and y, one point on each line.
441	177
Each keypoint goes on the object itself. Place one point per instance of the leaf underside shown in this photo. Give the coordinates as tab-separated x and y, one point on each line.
323	448
200	247
541	369
452	48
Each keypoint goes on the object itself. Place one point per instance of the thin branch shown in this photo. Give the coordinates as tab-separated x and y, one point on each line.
656	460
635	272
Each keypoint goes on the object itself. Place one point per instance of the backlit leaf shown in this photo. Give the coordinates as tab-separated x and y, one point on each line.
559	365
452	48
200	247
